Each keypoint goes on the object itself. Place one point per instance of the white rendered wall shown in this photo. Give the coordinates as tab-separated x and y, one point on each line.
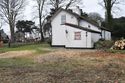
61	38
85	42
106	35
95	37
86	24
58	30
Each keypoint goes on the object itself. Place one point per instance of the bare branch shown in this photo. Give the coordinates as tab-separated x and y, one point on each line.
56	4
40	8
109	6
10	10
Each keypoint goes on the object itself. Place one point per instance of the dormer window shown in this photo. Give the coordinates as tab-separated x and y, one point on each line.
63	19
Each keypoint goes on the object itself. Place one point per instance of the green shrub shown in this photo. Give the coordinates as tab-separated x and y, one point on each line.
115	51
48	40
104	44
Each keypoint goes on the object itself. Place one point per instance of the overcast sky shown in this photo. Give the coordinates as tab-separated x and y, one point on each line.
93	6
88	6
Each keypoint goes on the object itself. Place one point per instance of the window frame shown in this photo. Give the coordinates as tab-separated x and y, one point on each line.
63	19
77	35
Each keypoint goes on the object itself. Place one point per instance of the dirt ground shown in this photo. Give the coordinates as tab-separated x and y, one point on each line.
12	54
66	66
63	53
86	66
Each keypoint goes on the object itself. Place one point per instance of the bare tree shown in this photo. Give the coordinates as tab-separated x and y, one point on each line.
1	23
73	2
40	7
95	16
108	5
10	10
56	4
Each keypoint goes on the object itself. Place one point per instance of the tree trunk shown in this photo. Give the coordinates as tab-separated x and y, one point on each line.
108	7
109	16
41	30
12	32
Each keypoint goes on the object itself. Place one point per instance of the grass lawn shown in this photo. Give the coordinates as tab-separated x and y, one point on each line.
36	47
62	66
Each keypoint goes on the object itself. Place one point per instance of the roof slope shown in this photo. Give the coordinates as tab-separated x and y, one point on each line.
82	28
79	17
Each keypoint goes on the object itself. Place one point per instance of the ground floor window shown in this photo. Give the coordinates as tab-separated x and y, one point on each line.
77	35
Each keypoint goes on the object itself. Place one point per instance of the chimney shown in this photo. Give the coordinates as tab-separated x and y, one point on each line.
99	23
77	10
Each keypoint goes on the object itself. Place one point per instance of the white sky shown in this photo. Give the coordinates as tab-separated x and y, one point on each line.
93	6
88	6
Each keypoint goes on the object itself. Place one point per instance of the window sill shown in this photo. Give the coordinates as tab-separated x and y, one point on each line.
62	24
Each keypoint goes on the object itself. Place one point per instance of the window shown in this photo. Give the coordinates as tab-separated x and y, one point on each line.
77	35
63	19
72	17
89	26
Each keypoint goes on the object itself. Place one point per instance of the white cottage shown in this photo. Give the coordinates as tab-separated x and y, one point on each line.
71	30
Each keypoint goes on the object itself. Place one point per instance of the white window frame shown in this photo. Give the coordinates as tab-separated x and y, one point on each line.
63	19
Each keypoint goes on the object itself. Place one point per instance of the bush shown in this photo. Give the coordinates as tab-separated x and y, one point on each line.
48	40
104	44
